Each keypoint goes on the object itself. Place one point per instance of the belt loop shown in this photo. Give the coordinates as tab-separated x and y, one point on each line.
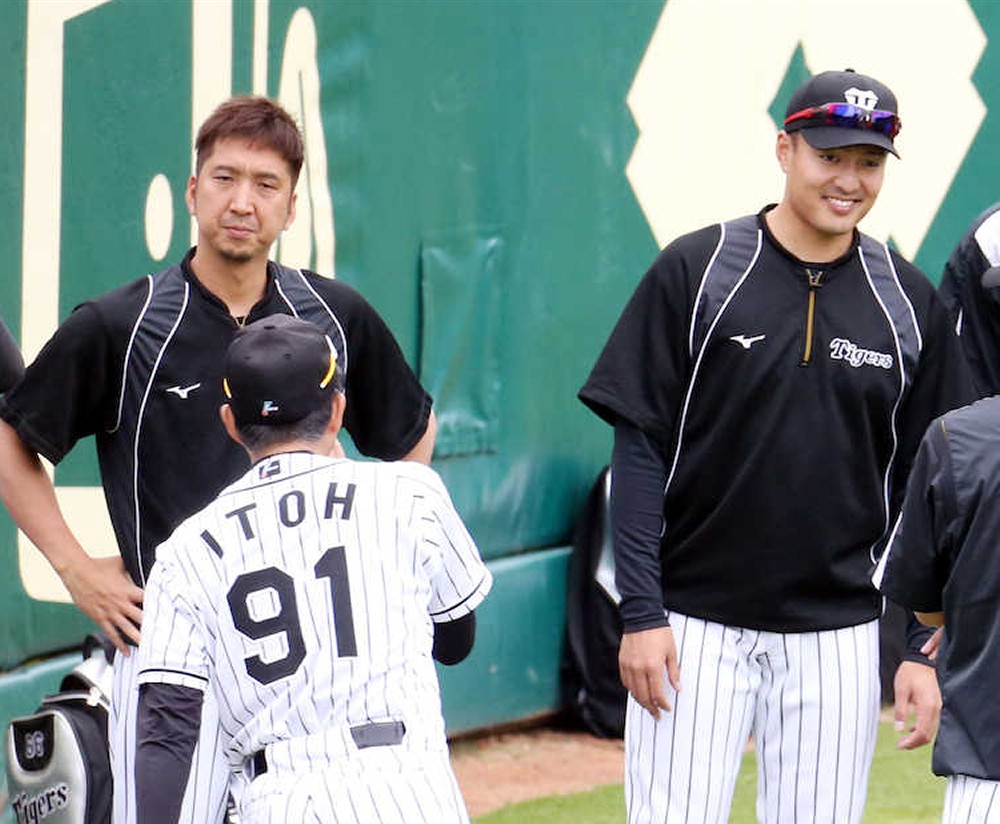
378	734
370	734
259	764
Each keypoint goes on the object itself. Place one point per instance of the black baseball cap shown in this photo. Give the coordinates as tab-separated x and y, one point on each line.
871	116
278	370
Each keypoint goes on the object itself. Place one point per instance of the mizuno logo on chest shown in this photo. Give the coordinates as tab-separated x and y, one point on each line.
745	341
182	392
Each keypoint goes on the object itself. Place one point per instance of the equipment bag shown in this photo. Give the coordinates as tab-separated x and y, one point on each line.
58	767
592	687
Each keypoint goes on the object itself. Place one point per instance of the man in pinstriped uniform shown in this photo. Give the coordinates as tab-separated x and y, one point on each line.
309	597
768	383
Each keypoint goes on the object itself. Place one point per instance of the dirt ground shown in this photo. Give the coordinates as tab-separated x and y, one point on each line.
504	768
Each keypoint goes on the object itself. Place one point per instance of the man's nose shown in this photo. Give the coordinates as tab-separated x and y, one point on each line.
241	197
848	176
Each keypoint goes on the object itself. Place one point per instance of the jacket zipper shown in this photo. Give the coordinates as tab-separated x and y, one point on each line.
815	279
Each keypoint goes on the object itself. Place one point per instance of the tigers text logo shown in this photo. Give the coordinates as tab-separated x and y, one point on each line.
843	349
31	810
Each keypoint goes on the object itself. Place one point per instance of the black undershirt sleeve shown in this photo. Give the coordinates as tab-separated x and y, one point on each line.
638	477
916	636
167	729
453	640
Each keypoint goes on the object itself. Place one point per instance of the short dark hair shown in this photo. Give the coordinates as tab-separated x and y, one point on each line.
260	437
258	120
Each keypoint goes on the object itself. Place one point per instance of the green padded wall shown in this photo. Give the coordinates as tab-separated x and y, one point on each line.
494	175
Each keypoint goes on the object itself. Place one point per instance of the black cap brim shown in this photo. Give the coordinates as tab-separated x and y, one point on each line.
836	137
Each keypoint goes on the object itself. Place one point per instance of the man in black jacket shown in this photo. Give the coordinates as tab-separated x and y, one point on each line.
942	561
768	383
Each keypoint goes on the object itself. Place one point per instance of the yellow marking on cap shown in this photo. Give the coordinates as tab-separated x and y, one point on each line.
225	388
333	365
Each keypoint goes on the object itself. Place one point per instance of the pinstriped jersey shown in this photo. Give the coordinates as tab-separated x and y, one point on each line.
305	597
788	399
141	368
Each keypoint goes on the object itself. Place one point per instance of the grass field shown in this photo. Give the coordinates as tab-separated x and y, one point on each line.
902	790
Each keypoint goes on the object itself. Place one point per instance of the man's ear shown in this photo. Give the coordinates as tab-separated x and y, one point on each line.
338	406
783	149
189	194
229	422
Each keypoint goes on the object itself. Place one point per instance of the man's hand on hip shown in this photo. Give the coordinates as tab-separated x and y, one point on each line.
103	591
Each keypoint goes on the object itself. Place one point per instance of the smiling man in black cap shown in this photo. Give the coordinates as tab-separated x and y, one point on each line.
768	384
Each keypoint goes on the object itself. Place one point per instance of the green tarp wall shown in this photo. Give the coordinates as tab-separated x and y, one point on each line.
495	176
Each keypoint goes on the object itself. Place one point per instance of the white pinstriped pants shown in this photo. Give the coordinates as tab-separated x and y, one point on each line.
376	785
969	800
810	699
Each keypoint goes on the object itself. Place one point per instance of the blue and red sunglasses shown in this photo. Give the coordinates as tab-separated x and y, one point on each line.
848	116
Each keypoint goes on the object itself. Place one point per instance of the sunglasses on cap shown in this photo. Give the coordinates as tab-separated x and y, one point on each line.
848	116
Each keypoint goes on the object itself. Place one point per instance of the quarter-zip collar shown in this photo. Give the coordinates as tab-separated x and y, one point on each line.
830	268
216	302
814	274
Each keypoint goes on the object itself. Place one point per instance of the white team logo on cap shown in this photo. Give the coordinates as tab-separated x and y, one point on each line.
866	99
268	408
